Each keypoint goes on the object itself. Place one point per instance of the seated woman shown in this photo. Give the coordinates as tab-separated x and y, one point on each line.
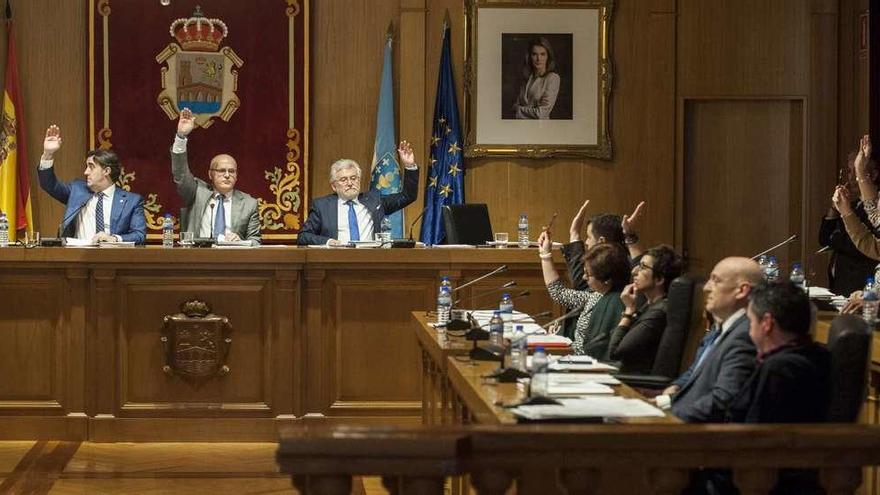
606	271
634	342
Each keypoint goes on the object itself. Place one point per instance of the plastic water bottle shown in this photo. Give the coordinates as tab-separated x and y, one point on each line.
797	276
496	329
523	231
168	232
771	271
871	300
506	309
540	378
385	230
762	264
444	304
518	349
444	282
4	230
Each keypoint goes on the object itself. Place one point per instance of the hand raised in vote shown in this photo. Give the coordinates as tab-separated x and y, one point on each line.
186	123
628	297
865	146
545	243
52	143
577	223
407	157
841	200
861	161
630	221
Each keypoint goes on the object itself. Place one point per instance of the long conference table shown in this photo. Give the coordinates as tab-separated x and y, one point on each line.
322	334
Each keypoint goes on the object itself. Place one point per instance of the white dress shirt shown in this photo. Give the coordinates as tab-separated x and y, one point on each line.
365	221
85	219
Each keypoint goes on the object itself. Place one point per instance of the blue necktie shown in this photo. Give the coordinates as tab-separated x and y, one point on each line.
353	232
711	338
220	218
99	213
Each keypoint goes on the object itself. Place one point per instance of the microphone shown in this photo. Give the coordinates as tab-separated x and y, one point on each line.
211	205
494	352
524	293
409	242
566	316
500	269
783	243
480	295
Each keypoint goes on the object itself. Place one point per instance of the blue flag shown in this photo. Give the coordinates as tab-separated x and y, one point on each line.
385	177
445	184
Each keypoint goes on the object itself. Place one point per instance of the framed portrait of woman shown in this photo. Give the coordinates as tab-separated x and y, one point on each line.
538	78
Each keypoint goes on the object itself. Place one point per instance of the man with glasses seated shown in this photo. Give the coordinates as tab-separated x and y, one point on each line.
350	215
215	210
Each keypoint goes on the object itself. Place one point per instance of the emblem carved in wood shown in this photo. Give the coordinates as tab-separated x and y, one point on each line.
196	342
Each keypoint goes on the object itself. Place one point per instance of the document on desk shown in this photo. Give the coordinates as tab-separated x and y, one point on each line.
589	407
569	378
551	340
577	388
116	244
74	242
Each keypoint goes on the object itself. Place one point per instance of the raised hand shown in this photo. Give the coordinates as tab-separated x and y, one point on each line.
577	223
545	243
186	123
52	143
407	158
841	200
630	221
865	146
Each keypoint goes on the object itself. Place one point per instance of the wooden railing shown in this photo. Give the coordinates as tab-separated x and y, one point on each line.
582	459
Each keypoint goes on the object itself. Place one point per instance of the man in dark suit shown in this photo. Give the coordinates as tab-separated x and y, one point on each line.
350	215
728	359
97	210
218	209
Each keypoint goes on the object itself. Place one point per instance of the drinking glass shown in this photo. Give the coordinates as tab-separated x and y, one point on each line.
186	239
501	239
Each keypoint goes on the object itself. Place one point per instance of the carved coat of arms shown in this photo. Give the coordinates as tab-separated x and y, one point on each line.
196	342
199	75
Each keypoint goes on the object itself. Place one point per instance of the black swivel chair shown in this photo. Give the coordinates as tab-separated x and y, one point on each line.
849	341
683	294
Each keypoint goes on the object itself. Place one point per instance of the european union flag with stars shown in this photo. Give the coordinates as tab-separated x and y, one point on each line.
445	184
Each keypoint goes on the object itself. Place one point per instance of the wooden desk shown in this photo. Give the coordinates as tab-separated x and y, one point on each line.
316	333
455	391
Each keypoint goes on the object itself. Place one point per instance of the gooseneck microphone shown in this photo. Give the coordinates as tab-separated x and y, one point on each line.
211	205
500	269
409	242
777	246
480	295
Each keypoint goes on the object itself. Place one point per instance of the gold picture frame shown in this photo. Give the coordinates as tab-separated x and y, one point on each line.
525	98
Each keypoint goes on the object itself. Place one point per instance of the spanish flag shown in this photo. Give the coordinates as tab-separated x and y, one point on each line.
15	191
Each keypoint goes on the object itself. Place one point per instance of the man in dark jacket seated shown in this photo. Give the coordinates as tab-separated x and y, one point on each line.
791	382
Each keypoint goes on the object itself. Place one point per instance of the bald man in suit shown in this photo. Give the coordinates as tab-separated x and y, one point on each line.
216	210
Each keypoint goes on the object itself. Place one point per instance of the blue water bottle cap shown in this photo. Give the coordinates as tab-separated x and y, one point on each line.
539	349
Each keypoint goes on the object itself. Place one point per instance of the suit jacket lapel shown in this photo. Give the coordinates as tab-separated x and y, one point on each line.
203	198
72	213
331	216
116	207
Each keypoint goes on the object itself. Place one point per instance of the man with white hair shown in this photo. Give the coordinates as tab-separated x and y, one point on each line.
350	215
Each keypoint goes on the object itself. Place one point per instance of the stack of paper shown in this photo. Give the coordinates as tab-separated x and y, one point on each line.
116	244
589	407
569	378
548	341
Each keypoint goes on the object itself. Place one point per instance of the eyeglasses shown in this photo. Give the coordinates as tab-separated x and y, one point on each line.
225	171
350	179
643	266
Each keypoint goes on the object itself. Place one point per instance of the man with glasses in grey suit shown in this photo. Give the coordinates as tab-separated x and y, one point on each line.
216	210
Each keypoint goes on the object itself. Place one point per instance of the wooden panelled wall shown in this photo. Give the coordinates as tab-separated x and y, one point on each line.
668	56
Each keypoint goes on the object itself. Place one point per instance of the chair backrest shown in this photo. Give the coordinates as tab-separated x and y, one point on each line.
467	224
849	341
679	313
